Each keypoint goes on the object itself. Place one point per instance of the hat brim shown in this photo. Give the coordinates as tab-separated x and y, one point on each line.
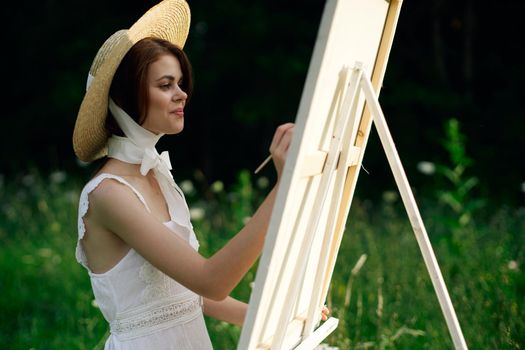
169	20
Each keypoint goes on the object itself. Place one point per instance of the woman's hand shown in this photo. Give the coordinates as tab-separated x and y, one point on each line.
279	147
324	313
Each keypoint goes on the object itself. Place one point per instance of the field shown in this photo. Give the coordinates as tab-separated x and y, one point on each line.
380	291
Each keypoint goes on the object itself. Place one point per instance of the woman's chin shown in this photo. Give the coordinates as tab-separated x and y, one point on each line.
175	130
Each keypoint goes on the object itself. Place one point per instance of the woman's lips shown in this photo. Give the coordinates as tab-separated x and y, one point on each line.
179	112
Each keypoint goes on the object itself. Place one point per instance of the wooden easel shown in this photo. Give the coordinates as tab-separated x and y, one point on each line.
281	315
359	82
344	153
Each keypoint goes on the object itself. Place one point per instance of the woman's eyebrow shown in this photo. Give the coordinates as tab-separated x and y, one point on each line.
169	77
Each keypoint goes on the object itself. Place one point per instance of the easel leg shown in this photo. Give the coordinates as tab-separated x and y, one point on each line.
414	215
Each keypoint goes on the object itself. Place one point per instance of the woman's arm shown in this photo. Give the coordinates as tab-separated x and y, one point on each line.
117	209
229	310
234	311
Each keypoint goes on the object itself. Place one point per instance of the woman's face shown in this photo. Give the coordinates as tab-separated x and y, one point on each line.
165	114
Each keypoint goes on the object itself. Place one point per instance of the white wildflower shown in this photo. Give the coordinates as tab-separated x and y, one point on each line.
45	252
71	196
217	186
427	168
390	196
263	182
57	177
197	213
187	187
28	180
513	265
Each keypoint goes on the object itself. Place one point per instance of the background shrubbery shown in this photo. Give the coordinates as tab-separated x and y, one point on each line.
381	291
250	58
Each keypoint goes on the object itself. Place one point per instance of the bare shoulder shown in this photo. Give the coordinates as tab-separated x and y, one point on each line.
109	192
112	200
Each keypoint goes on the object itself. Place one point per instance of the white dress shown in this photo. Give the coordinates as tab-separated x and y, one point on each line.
145	308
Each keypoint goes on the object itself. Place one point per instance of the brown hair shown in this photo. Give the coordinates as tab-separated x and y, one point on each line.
129	88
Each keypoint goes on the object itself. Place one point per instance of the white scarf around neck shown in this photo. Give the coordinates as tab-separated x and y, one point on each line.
138	147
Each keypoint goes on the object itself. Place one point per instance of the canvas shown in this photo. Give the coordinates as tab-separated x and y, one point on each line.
319	178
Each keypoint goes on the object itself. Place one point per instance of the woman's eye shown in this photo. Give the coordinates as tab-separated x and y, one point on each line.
165	86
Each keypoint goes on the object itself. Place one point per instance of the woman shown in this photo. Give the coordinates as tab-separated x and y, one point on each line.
135	236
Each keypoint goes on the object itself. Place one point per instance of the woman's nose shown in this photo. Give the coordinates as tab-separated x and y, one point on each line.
179	94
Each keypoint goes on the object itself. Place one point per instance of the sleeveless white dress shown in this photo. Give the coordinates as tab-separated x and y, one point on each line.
145	308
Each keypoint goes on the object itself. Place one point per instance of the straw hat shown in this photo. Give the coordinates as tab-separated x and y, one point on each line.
169	20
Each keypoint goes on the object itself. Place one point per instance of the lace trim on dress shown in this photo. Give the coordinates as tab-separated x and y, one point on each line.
83	207
148	319
157	283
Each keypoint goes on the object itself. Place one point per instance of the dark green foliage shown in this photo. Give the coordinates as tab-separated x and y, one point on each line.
251	59
385	303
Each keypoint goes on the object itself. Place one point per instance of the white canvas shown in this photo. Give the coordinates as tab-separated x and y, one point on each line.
350	31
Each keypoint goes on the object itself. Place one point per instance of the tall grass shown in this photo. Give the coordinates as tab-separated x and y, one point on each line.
380	291
46	299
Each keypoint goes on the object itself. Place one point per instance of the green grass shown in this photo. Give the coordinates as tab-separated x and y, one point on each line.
389	303
392	301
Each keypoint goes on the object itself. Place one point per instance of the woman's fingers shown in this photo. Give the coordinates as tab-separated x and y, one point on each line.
280	144
278	135
284	144
324	313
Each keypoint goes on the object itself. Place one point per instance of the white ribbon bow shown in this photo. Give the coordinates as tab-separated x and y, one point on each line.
152	159
138	147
